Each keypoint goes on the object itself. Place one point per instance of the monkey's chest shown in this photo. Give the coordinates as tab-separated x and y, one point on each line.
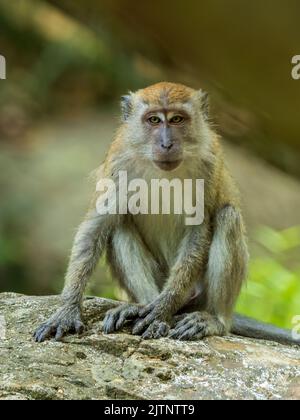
162	234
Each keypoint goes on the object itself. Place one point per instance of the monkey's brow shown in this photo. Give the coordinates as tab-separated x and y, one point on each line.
167	110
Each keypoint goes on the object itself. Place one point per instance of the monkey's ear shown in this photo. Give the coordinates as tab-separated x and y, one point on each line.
126	106
204	103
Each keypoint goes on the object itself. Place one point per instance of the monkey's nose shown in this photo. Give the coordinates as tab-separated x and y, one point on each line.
167	146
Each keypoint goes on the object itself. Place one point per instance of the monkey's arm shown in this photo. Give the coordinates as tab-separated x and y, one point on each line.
226	270
89	243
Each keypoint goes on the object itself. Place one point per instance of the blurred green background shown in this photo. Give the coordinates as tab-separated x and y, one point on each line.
67	65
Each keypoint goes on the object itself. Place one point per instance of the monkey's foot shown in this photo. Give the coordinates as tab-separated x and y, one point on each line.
196	326
156	330
116	318
65	320
152	324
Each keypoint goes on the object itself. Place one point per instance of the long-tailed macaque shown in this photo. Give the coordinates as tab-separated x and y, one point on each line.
183	280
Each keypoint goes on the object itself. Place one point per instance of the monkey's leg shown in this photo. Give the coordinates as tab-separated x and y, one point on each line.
189	265
88	245
226	271
136	270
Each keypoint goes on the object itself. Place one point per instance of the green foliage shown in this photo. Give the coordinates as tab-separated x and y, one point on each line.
272	293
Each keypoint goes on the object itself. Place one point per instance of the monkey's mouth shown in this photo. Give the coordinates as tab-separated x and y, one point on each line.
167	165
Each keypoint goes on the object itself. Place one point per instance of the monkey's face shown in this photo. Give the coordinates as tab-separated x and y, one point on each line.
166	130
165	124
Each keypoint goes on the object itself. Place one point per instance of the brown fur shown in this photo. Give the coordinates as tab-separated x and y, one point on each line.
165	94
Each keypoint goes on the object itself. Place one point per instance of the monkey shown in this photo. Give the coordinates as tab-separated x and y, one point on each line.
182	280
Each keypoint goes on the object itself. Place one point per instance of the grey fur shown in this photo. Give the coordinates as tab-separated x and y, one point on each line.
126	106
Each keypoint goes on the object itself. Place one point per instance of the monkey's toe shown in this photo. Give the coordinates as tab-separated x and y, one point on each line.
47	331
156	331
196	326
116	318
65	321
153	314
44	332
190	331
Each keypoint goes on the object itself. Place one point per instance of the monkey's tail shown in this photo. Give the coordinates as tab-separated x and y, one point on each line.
248	327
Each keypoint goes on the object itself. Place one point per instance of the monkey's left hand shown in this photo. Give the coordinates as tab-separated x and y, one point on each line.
153	321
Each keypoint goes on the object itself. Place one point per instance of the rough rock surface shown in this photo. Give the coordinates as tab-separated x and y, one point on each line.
122	366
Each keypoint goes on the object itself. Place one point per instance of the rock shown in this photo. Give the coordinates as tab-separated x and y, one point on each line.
122	366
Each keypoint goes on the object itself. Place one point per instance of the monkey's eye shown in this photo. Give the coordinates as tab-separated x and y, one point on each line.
154	120
177	119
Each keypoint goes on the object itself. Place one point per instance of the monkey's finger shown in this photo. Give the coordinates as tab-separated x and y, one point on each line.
141	325
121	321
79	327
149	333
138	328
127	315
183	322
109	323
176	333
188	334
152	331
37	332
146	310
60	333
179	318
172	334
155	330
162	331
181	327
44	332
124	316
192	333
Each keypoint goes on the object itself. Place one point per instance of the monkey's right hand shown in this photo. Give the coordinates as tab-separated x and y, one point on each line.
66	320
116	318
